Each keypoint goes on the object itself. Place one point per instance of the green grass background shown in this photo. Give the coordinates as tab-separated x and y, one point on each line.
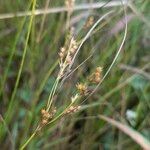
123	91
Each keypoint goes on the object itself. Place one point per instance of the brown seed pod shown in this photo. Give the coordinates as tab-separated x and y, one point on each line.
82	88
96	76
89	22
44	121
72	109
46	116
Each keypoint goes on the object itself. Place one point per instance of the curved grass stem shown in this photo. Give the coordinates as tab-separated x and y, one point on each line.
31	137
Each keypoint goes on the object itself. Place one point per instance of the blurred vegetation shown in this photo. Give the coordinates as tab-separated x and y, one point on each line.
124	95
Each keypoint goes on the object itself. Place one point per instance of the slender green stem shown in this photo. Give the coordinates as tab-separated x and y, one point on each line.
60	115
40	89
31	137
22	61
52	93
50	100
12	54
52	121
34	133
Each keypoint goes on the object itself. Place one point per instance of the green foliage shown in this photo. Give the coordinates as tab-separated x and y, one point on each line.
29	64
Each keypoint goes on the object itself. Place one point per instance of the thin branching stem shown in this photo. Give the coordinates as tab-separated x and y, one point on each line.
114	60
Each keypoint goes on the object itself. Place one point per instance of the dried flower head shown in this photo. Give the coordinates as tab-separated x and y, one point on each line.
72	109
74	46
96	76
69	4
46	116
82	88
89	22
44	121
68	59
62	53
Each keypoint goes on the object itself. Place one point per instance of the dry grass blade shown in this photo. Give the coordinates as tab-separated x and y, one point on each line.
136	70
137	137
61	9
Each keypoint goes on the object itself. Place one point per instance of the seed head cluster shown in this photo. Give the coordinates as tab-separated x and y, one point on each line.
96	76
89	22
62	53
82	88
66	56
74	46
46	116
72	109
